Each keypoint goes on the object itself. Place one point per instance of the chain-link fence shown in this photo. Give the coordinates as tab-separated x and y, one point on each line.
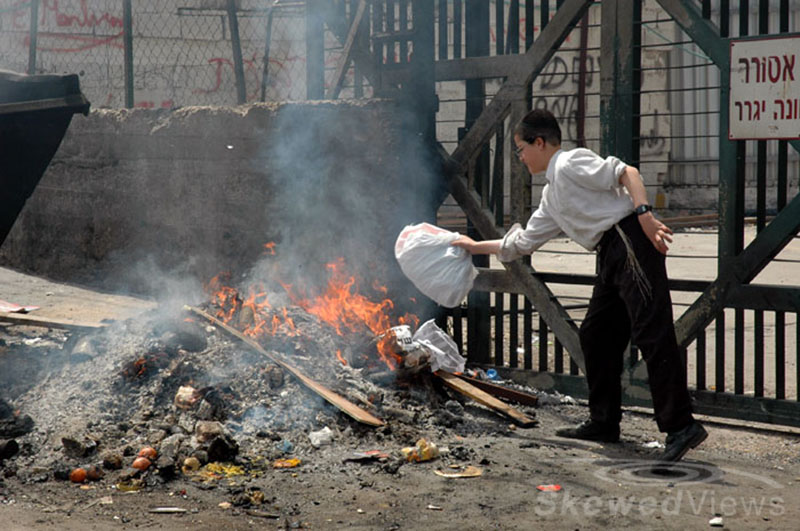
180	52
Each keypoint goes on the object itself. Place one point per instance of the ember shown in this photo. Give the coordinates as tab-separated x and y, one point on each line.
138	368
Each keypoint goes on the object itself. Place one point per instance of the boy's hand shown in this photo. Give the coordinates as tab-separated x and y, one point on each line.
465	242
658	233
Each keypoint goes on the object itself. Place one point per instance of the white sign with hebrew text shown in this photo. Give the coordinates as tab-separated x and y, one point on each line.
765	89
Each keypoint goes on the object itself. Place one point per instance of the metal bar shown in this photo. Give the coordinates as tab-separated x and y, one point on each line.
529	37
761	185
744	18
443	41
498	175
499	327
797	354
719	353
127	40
527	333
558	353
457	27
580	117
236	46
758	352
783	173
344	60
391	45
512	39
573	367
513	341
33	37
458	328
315	51
499	26
403	22
780	355
738	351
267	45
700	362
542	345
632	72
544	13
476	36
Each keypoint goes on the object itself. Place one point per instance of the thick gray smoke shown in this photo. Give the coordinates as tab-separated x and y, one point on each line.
346	178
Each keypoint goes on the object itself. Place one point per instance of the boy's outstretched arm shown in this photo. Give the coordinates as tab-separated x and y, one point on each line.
482	247
658	233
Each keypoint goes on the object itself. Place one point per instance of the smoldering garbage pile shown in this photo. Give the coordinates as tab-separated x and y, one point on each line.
210	406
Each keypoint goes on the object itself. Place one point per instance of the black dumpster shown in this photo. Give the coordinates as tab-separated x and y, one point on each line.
35	112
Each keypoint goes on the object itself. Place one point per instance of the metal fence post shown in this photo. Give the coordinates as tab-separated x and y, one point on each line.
127	23
238	65
315	50
34	35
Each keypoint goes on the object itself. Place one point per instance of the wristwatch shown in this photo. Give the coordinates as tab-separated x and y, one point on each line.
642	209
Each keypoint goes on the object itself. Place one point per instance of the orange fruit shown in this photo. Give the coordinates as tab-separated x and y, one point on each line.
148	452
78	475
141	463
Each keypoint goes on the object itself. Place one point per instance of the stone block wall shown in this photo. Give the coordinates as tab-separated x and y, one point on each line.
136	196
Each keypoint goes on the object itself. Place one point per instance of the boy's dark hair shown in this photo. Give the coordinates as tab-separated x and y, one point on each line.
539	123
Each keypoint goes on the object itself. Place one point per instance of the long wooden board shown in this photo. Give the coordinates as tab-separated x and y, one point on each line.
35	320
519	397
338	401
482	397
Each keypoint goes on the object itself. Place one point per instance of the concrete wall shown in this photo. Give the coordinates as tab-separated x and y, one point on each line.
135	196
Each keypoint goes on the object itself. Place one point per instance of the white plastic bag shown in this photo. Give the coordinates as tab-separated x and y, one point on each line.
442	272
441	347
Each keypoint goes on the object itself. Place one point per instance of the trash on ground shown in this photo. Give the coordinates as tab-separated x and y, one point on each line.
367	455
468	472
286	463
321	438
423	451
549	488
168	510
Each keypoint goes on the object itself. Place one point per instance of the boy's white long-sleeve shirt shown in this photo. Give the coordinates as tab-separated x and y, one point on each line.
582	199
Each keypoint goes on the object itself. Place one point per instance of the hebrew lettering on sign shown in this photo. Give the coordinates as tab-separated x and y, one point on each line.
765	89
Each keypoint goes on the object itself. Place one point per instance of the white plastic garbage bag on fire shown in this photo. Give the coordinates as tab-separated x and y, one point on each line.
442	272
441	348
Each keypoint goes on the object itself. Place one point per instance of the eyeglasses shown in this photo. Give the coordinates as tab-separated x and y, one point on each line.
518	151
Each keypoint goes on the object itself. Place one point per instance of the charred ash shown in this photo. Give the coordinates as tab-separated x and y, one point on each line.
208	405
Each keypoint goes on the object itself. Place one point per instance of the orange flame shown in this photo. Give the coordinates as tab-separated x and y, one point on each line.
340	305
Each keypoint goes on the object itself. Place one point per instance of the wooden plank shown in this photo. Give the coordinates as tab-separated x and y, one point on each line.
482	397
35	320
497	66
339	402
500	391
344	59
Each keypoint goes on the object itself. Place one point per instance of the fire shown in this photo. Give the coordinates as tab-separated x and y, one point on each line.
340	305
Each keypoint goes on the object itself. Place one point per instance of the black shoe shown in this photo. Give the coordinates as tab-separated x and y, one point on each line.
681	441
590	430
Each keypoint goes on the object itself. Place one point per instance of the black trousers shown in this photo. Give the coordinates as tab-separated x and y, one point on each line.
619	312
